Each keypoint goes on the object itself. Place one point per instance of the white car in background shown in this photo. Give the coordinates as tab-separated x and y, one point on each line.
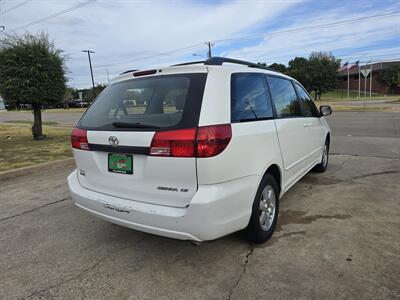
208	150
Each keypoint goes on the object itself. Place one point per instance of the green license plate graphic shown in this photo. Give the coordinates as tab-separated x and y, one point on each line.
119	163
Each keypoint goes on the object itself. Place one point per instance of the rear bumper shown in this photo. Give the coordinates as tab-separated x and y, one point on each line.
214	211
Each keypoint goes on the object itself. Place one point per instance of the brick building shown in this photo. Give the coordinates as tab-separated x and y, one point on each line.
376	86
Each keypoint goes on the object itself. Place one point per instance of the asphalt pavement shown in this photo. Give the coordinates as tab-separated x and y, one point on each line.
338	236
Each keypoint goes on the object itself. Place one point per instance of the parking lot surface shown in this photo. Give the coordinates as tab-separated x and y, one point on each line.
338	237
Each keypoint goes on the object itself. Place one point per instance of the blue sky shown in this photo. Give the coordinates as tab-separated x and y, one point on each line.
133	34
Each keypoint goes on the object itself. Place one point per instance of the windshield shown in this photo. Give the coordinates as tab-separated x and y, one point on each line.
147	103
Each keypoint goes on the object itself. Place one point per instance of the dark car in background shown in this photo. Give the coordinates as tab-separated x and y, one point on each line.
78	103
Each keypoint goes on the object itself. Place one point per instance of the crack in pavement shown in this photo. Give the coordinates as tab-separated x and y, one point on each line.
81	273
375	174
33	209
88	269
244	268
363	155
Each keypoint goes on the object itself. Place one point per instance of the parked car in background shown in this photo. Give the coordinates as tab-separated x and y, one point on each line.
76	103
210	152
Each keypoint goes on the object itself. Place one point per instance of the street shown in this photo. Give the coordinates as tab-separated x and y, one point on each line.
356	133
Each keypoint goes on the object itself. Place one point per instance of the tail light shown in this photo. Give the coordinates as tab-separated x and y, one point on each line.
79	139
212	140
177	143
205	141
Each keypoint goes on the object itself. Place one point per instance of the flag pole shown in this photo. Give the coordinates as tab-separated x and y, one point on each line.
359	80
370	81
348	82
365	83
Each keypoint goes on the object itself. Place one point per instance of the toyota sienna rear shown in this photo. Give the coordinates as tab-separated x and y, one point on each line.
190	152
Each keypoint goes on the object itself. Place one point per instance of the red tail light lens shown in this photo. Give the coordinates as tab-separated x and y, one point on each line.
177	143
212	140
206	141
79	139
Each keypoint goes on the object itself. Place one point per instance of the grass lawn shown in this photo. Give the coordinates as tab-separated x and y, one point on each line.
30	122
18	149
336	95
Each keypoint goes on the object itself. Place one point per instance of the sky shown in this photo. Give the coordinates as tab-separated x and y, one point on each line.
132	34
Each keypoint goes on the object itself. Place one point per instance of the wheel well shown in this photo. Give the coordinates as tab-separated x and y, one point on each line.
276	173
328	139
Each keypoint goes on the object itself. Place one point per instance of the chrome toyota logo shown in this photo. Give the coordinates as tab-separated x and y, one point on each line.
113	140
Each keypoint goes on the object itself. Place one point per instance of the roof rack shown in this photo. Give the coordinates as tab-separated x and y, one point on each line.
218	61
128	71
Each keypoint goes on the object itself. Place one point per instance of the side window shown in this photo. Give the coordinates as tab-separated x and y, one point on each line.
285	98
249	97
309	108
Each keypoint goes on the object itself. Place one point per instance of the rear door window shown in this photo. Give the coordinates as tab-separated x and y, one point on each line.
309	108
250	99
284	96
169	101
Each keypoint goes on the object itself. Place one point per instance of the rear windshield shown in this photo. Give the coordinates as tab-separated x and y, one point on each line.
157	102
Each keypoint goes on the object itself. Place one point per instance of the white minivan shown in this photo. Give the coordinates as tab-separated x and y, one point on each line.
197	151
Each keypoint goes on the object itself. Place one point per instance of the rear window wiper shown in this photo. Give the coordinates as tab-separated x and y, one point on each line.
133	125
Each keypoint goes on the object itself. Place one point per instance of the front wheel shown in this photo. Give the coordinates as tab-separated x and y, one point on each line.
323	165
264	211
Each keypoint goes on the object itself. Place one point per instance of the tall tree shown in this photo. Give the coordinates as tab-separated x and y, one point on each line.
299	68
32	71
317	74
278	67
323	71
390	77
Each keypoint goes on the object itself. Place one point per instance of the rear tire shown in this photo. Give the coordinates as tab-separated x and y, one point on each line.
323	165
265	211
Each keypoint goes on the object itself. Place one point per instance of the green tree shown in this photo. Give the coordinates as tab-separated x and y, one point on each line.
390	77
317	74
32	72
299	68
278	67
323	70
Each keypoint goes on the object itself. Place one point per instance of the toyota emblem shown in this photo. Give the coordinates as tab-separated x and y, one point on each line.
113	140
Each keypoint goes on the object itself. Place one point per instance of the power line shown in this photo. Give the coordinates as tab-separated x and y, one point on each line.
166	53
380	34
282	32
16	6
55	14
327	25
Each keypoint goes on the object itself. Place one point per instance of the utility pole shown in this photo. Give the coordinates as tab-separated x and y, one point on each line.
108	75
2	28
91	71
209	44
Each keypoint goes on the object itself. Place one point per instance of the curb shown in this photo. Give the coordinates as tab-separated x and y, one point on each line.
4	175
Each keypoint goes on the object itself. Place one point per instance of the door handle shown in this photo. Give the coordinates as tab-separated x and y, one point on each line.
307	124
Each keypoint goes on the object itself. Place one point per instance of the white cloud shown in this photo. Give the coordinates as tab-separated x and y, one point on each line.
124	32
127	30
281	48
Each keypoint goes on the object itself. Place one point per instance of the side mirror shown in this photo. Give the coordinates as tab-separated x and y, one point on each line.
325	110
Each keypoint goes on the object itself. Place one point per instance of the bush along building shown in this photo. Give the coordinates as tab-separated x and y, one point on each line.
381	77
